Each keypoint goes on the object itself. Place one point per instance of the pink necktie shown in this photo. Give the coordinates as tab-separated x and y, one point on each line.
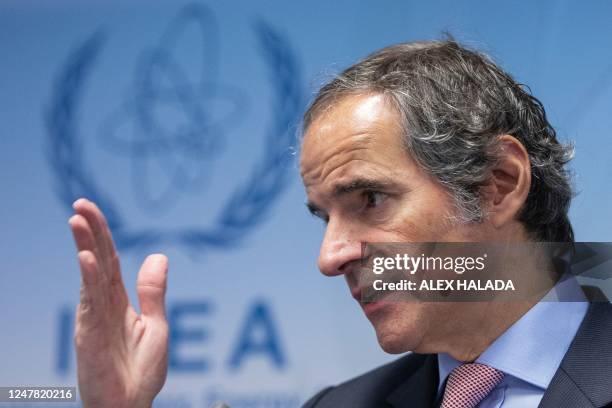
469	384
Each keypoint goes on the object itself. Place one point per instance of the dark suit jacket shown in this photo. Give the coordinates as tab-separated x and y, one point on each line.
584	378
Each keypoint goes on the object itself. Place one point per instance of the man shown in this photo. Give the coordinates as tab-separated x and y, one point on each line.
419	142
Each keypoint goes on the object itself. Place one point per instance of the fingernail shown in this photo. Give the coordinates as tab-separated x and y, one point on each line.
74	205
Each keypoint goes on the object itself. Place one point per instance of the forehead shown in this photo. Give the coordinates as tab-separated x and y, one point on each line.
358	129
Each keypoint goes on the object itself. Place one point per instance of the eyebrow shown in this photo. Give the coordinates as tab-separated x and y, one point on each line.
361	183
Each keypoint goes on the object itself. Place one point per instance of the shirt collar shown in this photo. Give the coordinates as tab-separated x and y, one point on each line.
533	347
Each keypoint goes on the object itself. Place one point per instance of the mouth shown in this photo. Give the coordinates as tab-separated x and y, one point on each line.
356	293
369	307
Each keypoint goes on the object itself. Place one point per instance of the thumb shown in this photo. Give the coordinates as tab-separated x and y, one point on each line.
151	285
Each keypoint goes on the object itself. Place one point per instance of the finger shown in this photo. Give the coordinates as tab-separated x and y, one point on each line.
103	238
82	233
97	222
85	240
151	285
92	303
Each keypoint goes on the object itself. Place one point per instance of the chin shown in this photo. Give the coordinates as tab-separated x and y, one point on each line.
392	345
398	332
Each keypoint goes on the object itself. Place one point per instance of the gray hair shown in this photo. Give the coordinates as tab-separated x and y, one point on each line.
455	103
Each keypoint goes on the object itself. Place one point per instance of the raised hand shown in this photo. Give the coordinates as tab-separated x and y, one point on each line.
122	357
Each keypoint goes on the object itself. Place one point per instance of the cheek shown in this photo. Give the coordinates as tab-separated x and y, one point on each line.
427	218
424	226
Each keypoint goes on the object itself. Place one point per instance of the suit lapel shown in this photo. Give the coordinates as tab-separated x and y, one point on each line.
420	389
584	378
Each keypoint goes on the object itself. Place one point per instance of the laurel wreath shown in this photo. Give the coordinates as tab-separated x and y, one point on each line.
248	205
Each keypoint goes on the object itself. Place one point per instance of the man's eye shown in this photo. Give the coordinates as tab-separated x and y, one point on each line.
320	215
374	199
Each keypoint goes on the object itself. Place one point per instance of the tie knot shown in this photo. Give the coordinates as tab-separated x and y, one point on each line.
469	384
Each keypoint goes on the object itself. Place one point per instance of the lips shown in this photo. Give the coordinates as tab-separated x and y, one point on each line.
372	307
356	293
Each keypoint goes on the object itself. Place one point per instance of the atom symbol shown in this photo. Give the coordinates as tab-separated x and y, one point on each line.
171	127
195	129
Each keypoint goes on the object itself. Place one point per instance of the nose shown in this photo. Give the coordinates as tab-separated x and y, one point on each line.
340	248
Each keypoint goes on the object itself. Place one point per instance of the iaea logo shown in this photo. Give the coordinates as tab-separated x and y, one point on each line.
184	144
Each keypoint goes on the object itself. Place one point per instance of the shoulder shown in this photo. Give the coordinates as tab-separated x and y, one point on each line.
369	389
585	375
592	342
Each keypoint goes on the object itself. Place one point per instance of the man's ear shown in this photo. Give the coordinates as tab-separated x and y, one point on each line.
506	191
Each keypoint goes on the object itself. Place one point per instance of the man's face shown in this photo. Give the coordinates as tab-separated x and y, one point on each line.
362	183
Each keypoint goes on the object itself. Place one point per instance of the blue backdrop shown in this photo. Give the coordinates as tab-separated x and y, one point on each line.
181	121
